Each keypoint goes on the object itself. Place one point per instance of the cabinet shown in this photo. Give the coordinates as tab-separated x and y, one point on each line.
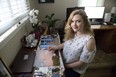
105	38
112	46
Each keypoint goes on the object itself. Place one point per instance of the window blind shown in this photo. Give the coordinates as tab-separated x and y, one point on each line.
11	12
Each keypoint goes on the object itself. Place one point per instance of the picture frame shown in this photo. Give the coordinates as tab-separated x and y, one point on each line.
4	72
46	1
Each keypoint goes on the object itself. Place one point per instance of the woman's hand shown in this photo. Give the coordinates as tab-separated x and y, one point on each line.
52	48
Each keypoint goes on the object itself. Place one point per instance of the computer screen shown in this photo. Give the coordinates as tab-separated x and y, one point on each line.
95	12
70	9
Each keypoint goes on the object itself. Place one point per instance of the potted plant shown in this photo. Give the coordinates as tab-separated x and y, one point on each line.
50	21
34	18
36	23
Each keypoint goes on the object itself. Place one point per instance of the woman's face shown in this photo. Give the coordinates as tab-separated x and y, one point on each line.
77	23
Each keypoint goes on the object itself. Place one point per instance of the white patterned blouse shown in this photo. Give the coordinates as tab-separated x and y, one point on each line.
76	49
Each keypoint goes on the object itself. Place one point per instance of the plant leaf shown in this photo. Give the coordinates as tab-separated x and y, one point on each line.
52	15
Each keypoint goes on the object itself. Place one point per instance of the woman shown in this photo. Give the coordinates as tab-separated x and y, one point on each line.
79	46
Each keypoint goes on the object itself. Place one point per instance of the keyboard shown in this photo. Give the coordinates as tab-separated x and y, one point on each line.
95	26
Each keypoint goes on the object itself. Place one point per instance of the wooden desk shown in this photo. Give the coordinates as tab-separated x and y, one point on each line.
21	66
105	37
103	27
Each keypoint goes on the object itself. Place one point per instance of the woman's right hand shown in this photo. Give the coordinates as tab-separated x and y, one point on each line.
52	48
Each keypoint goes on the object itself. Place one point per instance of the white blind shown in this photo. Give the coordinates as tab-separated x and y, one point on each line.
11	12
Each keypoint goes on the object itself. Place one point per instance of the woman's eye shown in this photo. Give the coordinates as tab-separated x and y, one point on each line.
78	21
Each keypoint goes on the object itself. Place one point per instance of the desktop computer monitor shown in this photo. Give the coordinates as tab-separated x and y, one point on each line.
95	13
70	9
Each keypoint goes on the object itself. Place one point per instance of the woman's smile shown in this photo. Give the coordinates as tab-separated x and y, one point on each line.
77	23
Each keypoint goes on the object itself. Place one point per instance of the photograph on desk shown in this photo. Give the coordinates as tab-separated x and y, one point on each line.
4	72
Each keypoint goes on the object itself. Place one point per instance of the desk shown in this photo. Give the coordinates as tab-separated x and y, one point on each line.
103	27
45	62
21	66
105	37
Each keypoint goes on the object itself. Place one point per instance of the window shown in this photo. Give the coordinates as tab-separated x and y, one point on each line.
82	3
11	12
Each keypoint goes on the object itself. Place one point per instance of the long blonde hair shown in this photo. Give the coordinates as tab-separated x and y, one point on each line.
69	33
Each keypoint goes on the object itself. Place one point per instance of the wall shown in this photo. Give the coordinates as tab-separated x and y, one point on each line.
10	50
32	3
58	7
109	4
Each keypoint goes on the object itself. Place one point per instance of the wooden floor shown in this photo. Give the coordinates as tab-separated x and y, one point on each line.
100	72
104	65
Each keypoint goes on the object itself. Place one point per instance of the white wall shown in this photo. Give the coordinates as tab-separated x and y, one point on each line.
10	50
109	4
58	7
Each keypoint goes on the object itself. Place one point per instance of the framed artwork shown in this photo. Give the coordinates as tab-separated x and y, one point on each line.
4	72
46	1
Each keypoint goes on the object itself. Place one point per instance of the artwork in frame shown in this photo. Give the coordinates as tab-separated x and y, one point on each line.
4	72
46	1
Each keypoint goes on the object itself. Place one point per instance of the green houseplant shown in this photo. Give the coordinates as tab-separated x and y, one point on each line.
50	21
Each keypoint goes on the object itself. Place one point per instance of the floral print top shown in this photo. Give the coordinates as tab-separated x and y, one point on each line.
76	49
